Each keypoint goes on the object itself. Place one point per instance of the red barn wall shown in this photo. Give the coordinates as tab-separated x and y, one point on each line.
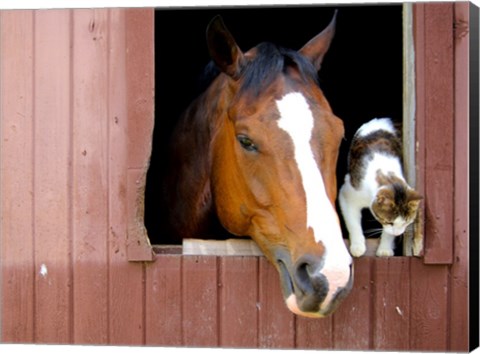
76	123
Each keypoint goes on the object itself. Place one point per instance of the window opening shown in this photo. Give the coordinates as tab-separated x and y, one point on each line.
362	74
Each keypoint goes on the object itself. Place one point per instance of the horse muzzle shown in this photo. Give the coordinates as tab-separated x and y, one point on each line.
309	288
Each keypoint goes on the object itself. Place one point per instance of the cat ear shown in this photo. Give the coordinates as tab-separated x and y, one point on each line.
414	199
384	201
414	196
413	204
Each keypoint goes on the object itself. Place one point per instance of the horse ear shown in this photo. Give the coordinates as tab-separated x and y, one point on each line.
316	48
223	49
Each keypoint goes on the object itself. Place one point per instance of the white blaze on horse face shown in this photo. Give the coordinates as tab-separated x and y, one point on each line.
296	119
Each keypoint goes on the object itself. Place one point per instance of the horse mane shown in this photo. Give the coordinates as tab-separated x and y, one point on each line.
270	61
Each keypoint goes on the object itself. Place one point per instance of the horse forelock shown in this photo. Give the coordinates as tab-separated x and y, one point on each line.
268	62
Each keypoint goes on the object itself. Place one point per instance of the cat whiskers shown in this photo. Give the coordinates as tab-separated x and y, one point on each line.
373	232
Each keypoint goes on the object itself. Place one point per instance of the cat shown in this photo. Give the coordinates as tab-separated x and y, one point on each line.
375	180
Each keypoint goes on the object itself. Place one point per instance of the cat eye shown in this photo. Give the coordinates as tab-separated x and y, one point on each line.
247	143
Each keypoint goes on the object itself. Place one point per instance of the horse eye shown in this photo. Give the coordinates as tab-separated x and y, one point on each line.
247	143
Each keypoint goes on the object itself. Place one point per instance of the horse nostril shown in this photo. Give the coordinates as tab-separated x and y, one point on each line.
308	278
302	275
318	286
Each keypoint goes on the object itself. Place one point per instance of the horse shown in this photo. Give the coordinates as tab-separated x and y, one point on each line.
255	155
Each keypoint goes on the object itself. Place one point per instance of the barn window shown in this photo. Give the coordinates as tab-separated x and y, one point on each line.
363	75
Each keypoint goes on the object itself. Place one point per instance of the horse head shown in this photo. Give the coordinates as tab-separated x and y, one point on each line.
274	149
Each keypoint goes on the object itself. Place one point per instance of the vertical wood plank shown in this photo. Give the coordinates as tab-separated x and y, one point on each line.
140	114
90	176
458	323
349	334
126	310
16	189
391	325
413	237
276	322
140	51
420	125
439	138
238	302
314	333
200	301
428	306
126	303
52	176
164	301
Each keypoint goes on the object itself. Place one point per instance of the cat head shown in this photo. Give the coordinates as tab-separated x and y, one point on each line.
395	207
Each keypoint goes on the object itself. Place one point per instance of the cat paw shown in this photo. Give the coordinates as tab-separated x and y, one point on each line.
384	252
357	249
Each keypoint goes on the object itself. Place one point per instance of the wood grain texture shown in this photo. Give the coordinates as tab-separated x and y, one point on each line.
126	303
314	333
459	275
139	71
276	323
200	301
429	315
352	322
420	94
140	89
90	176
52	176
391	302
439	137
16	166
238	320
164	315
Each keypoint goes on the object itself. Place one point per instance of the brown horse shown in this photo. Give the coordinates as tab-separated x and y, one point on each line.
256	152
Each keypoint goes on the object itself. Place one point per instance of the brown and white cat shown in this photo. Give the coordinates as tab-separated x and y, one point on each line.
375	181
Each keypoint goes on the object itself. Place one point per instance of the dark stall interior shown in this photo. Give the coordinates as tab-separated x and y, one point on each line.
361	75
